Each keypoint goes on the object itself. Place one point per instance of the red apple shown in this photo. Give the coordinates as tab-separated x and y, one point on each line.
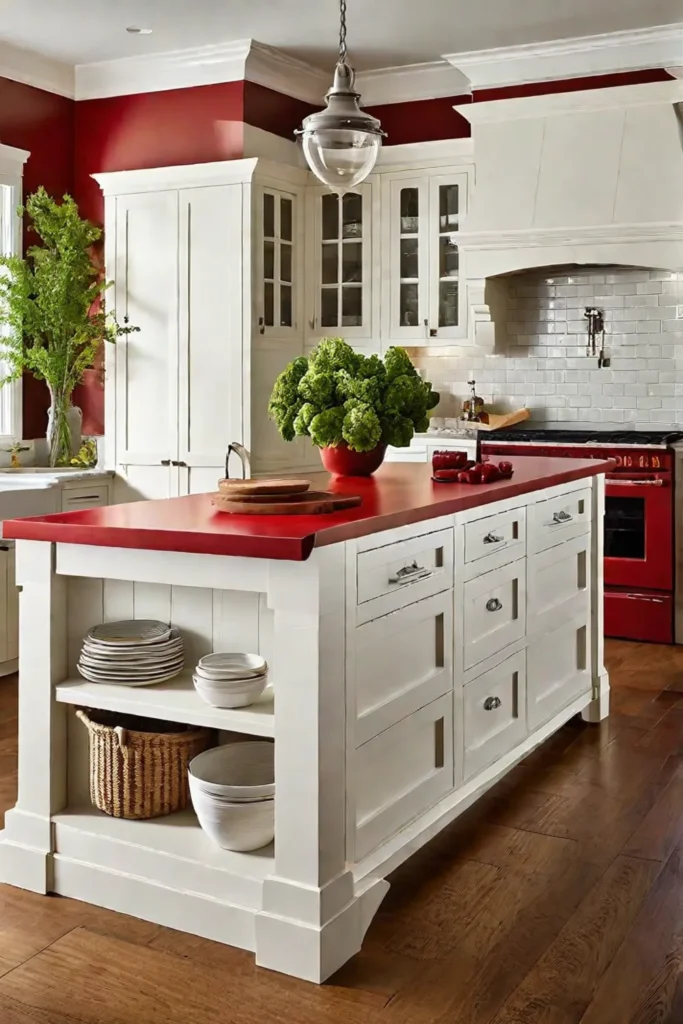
506	469
490	473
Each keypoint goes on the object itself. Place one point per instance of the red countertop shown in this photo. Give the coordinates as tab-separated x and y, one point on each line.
398	495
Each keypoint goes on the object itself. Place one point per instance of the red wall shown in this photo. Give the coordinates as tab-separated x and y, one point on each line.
43	124
71	141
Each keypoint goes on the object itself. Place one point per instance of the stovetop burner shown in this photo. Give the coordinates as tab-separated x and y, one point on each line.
615	437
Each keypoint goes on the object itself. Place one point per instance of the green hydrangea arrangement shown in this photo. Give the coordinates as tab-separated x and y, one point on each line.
340	395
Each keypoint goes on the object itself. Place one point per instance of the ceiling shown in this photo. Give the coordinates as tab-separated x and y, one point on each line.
382	33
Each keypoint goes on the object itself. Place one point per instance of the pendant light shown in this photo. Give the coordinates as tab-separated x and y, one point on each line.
341	144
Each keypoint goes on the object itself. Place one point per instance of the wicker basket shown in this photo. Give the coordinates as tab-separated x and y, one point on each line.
138	766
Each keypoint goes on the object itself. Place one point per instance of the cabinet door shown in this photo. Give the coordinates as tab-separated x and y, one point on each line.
146	483
277	244
447	296
340	264
146	275
210	324
405	295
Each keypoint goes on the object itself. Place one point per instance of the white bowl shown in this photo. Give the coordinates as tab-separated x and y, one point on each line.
236	826
235	771
239	695
231	666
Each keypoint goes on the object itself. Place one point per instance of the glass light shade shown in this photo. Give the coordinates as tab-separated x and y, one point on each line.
341	157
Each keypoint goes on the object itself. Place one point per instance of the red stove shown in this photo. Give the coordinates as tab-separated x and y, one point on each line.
639	520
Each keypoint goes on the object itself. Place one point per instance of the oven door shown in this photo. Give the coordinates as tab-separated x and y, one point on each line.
639	531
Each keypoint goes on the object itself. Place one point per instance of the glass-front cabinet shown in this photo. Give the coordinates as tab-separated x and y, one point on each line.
277	260
423	296
340	264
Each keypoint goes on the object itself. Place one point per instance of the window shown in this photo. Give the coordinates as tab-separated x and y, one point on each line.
11	169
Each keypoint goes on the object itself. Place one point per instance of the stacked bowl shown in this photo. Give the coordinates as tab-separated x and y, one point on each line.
233	794
231	680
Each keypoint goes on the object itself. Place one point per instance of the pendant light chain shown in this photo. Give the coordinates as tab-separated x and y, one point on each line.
342	32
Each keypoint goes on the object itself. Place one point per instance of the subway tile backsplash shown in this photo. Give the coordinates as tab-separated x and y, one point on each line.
541	340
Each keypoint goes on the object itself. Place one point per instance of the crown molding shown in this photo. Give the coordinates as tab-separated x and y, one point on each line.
659	47
158	72
219	172
439	153
525	107
610	234
12	161
33	69
427	81
267	66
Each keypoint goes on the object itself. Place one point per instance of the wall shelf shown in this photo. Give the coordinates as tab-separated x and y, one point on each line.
175	701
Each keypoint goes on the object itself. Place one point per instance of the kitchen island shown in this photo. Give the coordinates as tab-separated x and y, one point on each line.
420	645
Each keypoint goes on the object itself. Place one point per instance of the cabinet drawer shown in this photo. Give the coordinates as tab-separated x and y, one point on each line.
558	670
558	519
557	585
400	662
84	497
401	773
398	574
494	713
496	540
495	611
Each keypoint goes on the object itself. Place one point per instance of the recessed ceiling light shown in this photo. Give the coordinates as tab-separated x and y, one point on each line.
136	31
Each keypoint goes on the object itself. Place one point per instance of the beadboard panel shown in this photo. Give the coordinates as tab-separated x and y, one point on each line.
210	620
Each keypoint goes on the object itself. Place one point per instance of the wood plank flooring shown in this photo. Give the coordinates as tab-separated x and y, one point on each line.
558	899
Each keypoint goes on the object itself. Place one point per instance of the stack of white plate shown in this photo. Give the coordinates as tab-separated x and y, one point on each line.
231	680
233	794
136	652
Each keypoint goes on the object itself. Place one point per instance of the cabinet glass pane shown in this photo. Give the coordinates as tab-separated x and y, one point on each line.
448	304
286	219
352	261
328	307
352	306
448	257
408	301
285	305
269	260
409	250
330	263
269	304
330	209
268	215
352	216
448	208
285	262
410	210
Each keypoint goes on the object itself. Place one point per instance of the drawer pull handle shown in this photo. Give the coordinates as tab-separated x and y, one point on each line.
561	517
491	703
492	538
494	605
411	574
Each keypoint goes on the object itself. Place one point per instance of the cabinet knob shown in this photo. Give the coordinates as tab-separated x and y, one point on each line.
494	605
311	323
165	462
491	703
261	325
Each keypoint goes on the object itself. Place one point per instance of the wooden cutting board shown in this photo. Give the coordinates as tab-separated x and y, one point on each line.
270	487
498	422
304	504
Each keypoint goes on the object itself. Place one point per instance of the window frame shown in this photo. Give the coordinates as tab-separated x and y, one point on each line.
12	163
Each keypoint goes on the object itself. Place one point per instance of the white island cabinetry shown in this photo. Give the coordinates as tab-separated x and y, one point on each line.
416	655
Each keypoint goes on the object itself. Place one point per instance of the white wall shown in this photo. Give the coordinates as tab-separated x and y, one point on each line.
540	358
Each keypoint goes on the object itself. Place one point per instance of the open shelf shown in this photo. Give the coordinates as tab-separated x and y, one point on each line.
175	701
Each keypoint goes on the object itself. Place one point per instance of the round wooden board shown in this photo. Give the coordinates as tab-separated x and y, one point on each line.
263	486
322	503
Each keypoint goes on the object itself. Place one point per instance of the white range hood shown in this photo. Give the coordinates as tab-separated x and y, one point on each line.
589	177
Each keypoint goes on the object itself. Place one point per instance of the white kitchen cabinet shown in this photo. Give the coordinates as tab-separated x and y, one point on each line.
342	265
423	297
208	263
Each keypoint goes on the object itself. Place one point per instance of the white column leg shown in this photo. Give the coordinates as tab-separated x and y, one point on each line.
312	921
599	706
26	843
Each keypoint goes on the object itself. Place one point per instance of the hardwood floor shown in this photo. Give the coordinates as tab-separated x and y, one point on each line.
558	899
